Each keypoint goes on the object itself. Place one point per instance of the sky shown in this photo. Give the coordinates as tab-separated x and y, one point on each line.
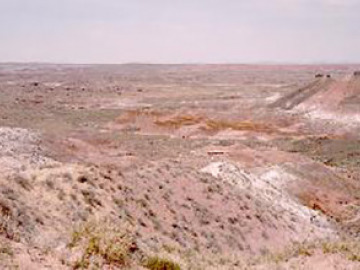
180	31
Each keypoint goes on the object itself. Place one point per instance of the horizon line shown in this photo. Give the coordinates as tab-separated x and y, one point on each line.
265	63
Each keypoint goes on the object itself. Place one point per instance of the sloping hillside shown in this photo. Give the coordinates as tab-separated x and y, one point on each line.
339	95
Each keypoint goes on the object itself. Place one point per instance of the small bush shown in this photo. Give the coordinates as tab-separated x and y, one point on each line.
23	182
102	243
6	249
156	263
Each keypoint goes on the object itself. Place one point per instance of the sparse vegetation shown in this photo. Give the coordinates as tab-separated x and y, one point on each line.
22	181
296	250
350	249
157	263
102	244
7	225
5	249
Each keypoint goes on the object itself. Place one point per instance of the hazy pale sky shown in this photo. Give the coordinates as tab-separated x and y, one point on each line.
178	31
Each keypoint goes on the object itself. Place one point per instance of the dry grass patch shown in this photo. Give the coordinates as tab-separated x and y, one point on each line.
349	249
297	250
5	249
157	263
100	244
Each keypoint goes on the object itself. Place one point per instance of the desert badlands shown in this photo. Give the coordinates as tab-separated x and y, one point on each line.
179	166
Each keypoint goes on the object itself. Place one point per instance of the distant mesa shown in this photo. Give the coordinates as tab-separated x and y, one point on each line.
299	96
325	93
